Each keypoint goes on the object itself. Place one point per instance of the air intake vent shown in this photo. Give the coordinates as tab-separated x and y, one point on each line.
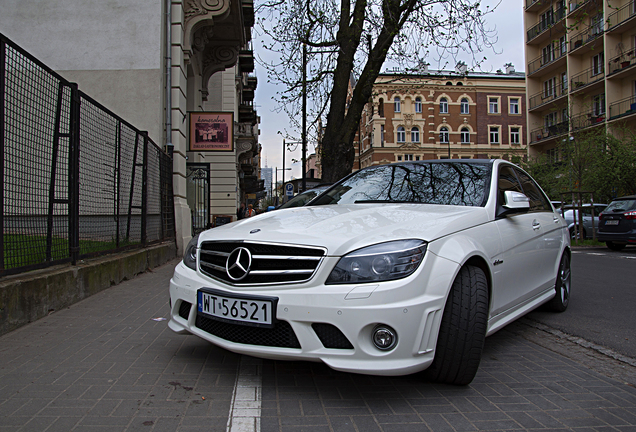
269	263
281	335
331	336
184	310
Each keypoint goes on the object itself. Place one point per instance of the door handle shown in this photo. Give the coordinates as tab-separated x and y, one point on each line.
535	225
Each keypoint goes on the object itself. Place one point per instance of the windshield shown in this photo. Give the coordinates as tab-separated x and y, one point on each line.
444	183
304	197
621	205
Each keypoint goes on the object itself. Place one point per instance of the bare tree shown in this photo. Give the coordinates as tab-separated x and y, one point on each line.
353	39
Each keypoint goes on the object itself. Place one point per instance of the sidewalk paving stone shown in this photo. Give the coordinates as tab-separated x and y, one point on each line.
104	364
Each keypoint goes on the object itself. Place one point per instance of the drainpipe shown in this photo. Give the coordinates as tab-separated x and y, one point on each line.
169	145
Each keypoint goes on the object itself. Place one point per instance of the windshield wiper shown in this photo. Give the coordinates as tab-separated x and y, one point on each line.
385	201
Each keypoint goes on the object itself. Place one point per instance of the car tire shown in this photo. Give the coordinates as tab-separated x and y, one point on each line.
581	233
562	286
615	246
462	331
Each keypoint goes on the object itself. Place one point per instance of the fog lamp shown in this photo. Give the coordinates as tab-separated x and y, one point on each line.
384	337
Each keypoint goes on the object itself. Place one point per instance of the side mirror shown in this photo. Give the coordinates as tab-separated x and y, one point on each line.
514	203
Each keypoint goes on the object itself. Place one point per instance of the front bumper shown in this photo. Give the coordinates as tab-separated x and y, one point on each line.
318	314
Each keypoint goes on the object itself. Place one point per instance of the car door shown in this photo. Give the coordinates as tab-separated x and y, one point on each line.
521	259
549	232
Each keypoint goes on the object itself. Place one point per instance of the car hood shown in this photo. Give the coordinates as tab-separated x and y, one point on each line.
343	228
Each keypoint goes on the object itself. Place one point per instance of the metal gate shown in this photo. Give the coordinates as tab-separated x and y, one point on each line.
198	178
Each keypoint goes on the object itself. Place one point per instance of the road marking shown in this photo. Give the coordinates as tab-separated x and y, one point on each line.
596	253
245	410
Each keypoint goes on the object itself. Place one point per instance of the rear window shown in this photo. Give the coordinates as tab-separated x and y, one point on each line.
621	206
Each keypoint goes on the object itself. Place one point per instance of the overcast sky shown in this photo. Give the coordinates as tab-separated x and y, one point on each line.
507	20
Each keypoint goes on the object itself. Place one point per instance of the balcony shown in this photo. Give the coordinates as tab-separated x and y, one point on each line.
246	113
622	62
534	5
549	133
585	78
540	28
589	119
618	21
577	5
246	61
585	38
622	108
542	98
543	62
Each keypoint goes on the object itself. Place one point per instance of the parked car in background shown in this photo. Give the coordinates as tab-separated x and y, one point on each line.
571	216
617	226
304	197
394	270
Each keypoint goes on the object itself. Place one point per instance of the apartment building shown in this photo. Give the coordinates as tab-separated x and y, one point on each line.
580	69
429	114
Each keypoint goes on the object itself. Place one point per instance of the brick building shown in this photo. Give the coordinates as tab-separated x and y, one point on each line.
443	114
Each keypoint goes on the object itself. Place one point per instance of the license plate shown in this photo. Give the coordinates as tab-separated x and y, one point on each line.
240	309
611	222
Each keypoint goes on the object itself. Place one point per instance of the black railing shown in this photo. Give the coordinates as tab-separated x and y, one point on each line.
586	36
77	180
587	77
588	119
549	132
546	23
621	15
558	52
623	107
544	96
622	61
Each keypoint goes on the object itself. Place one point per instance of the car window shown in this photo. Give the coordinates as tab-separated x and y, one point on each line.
464	184
538	201
621	205
507	182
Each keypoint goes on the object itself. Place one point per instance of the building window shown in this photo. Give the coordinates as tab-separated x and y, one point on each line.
514	105
563	46
564	115
401	134
493	105
443	135
550	119
564	82
399	158
408	157
548	87
547	19
464	107
548	54
599	104
381	108
494	134
598	64
596	25
382	135
418	105
397	106
443	106
553	155
465	136
415	135
515	135
417	158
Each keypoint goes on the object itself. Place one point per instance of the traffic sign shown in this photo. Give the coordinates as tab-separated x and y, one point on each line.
289	189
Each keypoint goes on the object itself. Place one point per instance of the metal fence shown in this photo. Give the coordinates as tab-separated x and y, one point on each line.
77	180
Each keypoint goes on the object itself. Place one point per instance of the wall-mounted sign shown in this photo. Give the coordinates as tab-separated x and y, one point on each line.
211	131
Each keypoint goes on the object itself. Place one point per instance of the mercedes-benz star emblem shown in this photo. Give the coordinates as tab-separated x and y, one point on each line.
238	264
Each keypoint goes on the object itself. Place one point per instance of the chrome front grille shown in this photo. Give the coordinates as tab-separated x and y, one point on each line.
271	263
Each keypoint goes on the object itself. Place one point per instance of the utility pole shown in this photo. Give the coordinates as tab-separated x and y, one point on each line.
304	137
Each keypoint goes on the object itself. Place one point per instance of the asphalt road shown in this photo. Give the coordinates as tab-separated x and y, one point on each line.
603	300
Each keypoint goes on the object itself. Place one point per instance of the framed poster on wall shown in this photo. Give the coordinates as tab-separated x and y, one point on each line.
211	131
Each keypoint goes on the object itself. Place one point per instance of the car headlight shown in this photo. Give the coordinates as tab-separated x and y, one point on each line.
190	255
380	262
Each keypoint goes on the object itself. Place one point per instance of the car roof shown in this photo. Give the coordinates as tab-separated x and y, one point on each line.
628	197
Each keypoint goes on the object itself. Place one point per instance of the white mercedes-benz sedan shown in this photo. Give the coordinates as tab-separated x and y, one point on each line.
394	270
